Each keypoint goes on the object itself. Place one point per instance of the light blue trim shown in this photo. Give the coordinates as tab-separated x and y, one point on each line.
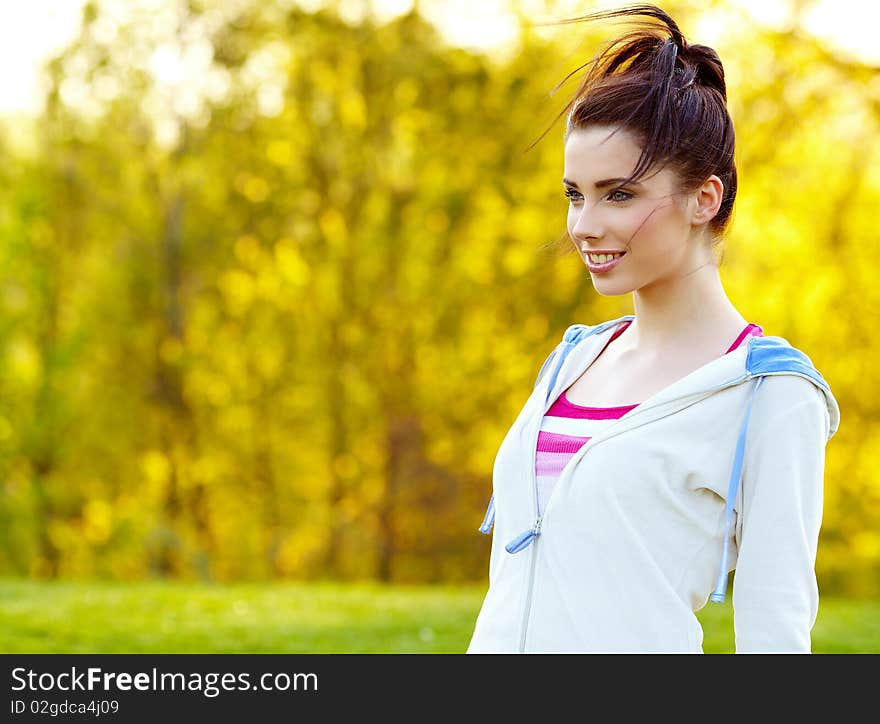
489	520
567	347
774	354
572	336
735	474
523	540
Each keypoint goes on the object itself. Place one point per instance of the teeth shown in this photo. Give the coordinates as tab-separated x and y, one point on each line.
602	258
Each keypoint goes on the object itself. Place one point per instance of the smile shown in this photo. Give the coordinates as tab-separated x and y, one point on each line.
602	258
599	263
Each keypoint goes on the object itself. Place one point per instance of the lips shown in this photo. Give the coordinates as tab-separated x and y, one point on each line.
599	267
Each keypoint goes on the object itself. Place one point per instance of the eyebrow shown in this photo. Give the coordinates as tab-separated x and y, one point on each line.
601	184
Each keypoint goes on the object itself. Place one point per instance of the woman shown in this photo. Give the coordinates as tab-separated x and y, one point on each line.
663	449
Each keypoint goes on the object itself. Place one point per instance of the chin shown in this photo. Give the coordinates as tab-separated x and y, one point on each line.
610	287
611	292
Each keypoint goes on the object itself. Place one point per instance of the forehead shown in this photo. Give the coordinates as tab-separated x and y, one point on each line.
597	153
594	153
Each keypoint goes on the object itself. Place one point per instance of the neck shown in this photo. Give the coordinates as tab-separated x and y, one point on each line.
674	312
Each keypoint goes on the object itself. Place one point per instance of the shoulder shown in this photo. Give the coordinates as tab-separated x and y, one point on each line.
784	390
790	381
790	400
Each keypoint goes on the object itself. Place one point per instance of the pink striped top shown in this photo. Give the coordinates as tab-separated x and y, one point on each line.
566	427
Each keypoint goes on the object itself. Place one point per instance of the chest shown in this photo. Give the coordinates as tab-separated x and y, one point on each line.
613	380
673	462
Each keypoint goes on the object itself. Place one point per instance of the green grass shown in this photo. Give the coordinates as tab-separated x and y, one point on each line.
161	617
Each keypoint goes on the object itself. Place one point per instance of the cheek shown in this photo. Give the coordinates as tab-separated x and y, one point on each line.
643	226
633	224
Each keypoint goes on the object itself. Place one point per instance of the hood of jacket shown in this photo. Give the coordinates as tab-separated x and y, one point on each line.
761	356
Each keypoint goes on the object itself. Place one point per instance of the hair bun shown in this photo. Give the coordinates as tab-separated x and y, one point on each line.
706	66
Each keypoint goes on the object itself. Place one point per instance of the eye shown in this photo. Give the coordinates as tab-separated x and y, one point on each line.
626	195
617	196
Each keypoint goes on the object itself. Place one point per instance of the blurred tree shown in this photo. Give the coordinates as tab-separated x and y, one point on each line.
276	285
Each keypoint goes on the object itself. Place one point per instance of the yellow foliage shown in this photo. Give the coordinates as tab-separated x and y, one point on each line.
346	466
239	290
207	469
293	268
268	284
235	420
518	259
171	350
5	429
267	359
279	151
353	111
253	188
536	326
23	363
406	91
866	545
333	226
60	533
249	252
97	521
156	469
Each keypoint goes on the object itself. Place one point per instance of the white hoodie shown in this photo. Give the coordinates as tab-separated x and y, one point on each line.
631	540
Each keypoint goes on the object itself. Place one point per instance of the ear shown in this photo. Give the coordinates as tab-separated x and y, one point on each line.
708	200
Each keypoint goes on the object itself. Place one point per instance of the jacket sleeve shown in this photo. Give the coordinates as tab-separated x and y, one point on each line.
775	592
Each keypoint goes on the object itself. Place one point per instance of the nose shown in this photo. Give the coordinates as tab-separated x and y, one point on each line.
586	227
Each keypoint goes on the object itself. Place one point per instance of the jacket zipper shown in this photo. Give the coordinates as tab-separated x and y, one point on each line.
522	642
536	529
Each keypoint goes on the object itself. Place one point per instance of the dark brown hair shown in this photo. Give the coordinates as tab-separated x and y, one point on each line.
669	94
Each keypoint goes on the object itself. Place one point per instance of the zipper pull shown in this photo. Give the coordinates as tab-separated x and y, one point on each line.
524	540
489	520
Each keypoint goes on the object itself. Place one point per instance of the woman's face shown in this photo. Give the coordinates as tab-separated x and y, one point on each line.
648	220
